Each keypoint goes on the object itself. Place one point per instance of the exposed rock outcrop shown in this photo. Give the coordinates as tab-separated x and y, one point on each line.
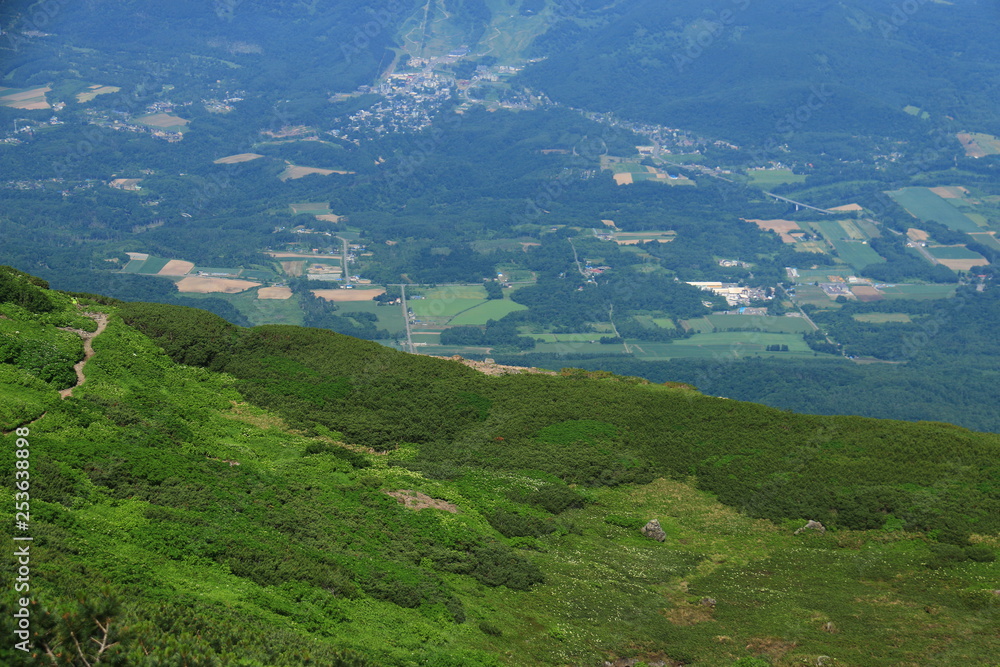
654	531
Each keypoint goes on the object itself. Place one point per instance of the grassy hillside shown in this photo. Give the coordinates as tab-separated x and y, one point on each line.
279	495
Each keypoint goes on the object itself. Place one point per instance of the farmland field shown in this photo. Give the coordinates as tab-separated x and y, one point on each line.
293	172
390	317
634	238
94	91
769	177
29	99
920	292
728	345
952	252
207	285
348	295
447	301
923	204
847	240
234	159
261	311
317	208
274	293
791	325
977	144
151	266
164	121
565	338
491	310
987	239
782	228
176	267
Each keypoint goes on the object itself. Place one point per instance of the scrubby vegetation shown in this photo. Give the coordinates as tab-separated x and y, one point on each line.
220	495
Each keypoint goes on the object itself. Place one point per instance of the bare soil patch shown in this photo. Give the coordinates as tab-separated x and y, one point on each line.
348	294
293	269
162	120
847	207
961	264
274	293
328	217
233	159
176	267
780	227
489	368
950	192
415	500
624	178
917	234
200	285
866	293
972	149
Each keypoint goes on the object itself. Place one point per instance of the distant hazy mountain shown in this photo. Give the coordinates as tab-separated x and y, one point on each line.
748	70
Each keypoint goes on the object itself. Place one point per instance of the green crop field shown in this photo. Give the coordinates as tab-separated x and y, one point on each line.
823	275
566	338
952	252
728	345
152	265
389	317
924	204
920	292
846	239
986	239
794	325
664	323
259	311
482	313
769	177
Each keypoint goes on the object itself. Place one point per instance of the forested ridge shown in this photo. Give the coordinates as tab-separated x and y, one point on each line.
220	494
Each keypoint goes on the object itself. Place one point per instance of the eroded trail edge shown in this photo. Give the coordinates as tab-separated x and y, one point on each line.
88	349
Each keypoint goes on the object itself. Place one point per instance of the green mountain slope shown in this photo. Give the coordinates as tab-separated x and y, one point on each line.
278	495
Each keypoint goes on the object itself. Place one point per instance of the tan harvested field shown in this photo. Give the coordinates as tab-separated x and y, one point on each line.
917	234
94	91
29	100
348	294
292	172
293	269
328	217
141	256
950	192
176	267
978	145
866	293
847	207
130	184
780	227
609	223
274	293
961	264
207	285
233	159
162	120
624	178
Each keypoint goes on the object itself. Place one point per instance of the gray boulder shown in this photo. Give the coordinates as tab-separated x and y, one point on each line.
653	530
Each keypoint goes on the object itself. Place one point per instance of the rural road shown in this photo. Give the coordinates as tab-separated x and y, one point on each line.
88	349
406	319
